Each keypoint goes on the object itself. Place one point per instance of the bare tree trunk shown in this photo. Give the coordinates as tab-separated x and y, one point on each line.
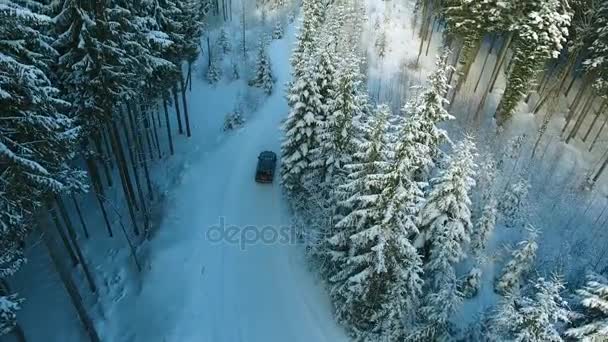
80	217
540	85
189	78
425	31
104	139
451	71
98	190
209	52
143	117
124	176
72	290
598	133
574	107
243	32
64	238
425	14
463	73
428	45
543	127
141	154
103	159
121	160
557	89
572	81
595	118
581	118
485	62
601	170
74	241
499	62
177	111
155	131
186	116
168	124
124	230
140	192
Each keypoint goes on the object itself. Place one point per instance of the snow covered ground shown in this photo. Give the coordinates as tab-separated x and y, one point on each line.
201	290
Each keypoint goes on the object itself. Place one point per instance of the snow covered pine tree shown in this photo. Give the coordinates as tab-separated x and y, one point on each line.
519	265
521	318
592	324
37	137
540	35
445	220
263	70
379	278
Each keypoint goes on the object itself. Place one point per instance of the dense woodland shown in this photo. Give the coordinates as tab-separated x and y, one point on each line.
398	213
81	84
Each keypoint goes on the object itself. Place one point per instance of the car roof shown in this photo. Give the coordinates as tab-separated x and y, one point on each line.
267	154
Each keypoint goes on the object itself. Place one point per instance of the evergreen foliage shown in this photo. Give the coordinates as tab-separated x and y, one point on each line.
337	130
378	279
519	265
263	71
539	36
428	112
300	128
536	319
445	220
592	324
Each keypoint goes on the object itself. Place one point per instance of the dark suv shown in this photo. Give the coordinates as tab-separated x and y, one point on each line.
267	163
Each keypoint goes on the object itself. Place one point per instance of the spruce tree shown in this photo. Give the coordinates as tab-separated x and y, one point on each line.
445	220
434	316
95	70
312	19
592	324
214	72
223	42
304	100
472	281
536	319
381	44
277	32
325	75
38	135
356	199
484	227
514	202
428	111
540	35
466	19
520	264
597	62
337	130
38	138
378	282
9	306
471	20
263	77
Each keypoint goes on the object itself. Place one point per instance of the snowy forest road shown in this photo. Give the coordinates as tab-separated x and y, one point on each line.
199	289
